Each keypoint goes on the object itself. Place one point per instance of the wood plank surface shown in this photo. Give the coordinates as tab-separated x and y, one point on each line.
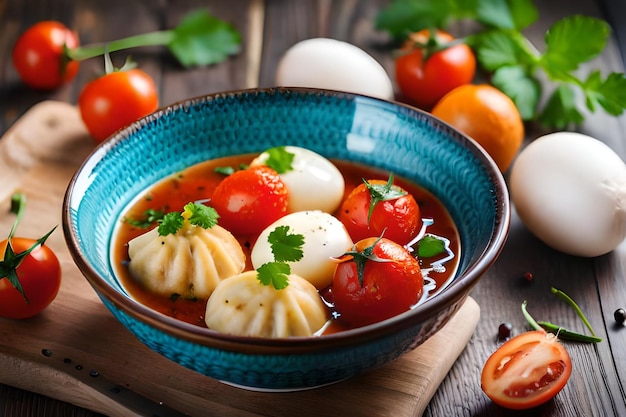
269	27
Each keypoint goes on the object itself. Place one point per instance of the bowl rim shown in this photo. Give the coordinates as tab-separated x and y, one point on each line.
452	296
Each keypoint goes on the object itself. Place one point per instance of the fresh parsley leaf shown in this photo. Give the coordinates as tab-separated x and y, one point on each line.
149	217
401	17
430	246
170	224
524	90
382	192
496	13
202	39
572	41
286	247
505	14
610	94
224	170
561	110
280	160
497	48
274	273
524	13
201	215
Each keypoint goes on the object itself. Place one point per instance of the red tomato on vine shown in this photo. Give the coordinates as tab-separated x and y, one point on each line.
30	273
115	100
431	66
39	55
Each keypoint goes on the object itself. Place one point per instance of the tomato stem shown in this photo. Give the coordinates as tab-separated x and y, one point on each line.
559	331
573	304
158	38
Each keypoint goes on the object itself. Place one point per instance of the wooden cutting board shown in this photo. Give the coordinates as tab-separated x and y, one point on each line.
77	352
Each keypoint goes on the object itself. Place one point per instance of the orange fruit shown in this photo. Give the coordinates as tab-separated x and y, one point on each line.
488	116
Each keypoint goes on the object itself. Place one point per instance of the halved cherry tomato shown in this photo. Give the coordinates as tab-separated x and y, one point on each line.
39	274
425	74
250	200
378	280
394	212
39	58
115	100
526	371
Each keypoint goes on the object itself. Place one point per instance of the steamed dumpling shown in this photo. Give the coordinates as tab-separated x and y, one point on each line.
242	306
189	263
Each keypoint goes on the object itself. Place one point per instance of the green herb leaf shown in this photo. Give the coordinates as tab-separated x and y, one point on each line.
150	216
609	94
280	160
382	192
495	13
274	273
561	110
430	245
202	39
572	41
524	13
498	48
525	91
286	247
401	17
224	170
201	215
170	223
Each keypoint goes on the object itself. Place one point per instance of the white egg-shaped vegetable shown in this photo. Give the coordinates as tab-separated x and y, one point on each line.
325	237
569	189
334	65
314	182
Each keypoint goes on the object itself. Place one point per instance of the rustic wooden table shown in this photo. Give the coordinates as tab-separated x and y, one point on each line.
597	386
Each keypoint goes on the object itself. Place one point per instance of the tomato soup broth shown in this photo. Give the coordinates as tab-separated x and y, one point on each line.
197	183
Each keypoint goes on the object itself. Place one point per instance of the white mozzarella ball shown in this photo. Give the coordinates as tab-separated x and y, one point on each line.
569	189
334	65
325	237
314	183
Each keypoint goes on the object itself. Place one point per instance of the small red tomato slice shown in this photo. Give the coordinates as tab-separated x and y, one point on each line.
526	371
38	55
250	200
115	100
398	217
39	274
389	285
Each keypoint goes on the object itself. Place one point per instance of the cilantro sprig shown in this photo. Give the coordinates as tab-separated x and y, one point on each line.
195	214
200	39
516	65
280	159
286	247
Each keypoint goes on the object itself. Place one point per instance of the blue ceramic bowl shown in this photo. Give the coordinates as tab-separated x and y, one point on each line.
409	142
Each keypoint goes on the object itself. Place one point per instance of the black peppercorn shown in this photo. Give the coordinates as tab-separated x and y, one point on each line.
620	315
504	331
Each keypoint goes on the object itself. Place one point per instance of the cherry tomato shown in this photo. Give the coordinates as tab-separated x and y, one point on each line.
424	77
39	274
115	100
39	58
526	371
250	200
388	284
395	212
